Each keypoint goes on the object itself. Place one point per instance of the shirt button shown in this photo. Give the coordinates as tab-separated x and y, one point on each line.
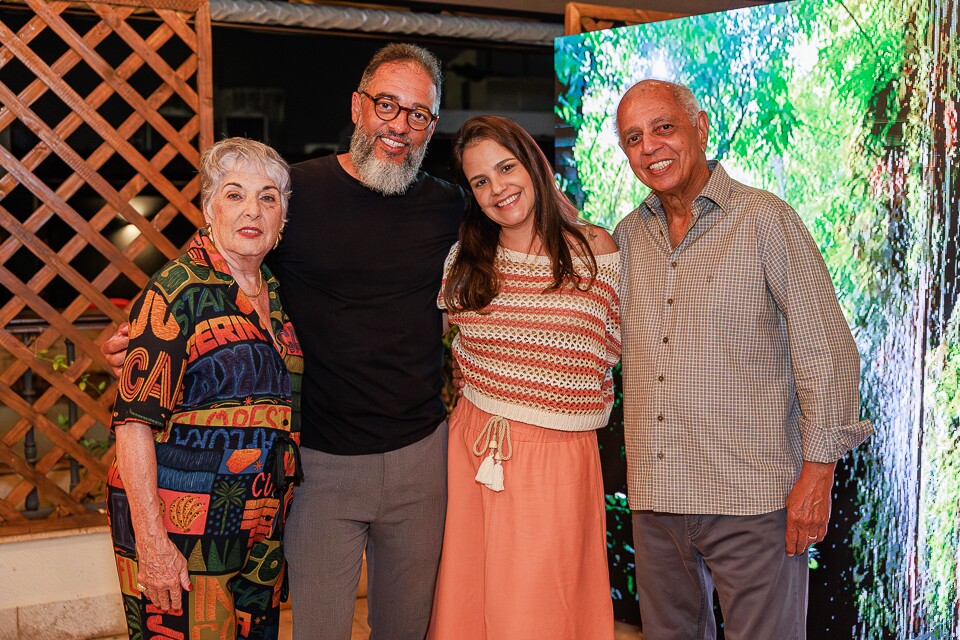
660	455
285	422
659	418
665	339
669	300
674	264
660	378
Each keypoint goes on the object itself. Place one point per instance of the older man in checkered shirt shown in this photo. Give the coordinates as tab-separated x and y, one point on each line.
740	385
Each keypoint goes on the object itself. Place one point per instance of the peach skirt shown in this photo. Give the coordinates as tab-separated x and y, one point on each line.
529	562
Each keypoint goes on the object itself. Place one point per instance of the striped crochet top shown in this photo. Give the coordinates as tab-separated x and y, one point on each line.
541	358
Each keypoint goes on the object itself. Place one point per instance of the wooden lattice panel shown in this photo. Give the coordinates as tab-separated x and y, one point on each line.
104	108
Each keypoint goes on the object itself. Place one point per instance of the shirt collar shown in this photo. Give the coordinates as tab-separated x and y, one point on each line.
717	190
718	187
203	252
708	208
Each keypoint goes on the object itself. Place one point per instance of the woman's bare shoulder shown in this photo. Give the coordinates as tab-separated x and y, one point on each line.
601	242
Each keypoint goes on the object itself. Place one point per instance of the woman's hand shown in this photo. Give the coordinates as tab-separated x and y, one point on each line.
162	573
161	568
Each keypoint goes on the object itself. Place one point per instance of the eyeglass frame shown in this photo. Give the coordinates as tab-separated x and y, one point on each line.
400	108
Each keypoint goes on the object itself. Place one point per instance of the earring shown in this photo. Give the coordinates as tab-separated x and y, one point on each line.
279	237
209	230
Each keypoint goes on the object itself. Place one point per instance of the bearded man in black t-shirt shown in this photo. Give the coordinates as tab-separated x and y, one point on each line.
360	266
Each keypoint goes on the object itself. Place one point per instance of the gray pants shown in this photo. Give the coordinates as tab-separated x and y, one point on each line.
391	504
680	559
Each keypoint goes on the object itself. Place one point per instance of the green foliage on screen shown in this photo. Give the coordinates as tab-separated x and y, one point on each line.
848	111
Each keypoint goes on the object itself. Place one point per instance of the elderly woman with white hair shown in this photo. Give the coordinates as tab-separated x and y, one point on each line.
207	436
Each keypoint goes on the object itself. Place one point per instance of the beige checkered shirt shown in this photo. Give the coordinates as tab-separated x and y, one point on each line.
737	362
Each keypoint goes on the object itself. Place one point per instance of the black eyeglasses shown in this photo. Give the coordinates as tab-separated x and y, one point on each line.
388	109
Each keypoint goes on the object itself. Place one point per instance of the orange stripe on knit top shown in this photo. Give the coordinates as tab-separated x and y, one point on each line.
542	358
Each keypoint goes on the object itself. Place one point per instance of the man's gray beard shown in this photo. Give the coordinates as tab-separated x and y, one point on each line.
383	176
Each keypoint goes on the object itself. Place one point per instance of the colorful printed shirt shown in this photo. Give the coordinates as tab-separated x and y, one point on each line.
199	355
541	358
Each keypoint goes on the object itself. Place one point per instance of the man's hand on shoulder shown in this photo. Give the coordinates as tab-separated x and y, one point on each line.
457	374
808	506
114	349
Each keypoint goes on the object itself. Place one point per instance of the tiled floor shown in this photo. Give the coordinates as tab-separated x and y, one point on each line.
361	630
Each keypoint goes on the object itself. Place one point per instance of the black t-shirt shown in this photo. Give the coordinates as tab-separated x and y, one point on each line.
360	273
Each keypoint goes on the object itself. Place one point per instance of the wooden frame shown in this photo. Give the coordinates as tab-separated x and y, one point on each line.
114	95
582	18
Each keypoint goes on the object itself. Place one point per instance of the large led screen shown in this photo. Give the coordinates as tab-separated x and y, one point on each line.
848	111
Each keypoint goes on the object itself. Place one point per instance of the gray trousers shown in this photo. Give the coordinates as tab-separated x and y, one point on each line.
392	505
681	558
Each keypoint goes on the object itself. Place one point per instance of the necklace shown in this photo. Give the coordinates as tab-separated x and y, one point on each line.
259	287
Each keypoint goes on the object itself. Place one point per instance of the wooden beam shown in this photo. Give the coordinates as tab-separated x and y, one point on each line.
75	521
581	17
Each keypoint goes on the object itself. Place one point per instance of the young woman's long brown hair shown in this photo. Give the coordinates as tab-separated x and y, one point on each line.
473	280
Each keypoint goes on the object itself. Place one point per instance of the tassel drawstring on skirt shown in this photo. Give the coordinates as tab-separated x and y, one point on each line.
494	438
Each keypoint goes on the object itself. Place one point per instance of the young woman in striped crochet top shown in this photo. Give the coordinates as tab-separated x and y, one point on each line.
534	293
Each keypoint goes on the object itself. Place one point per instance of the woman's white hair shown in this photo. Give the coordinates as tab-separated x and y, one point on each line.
232	153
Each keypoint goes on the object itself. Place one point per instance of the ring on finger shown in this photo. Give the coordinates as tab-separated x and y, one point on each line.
811	537
141	588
